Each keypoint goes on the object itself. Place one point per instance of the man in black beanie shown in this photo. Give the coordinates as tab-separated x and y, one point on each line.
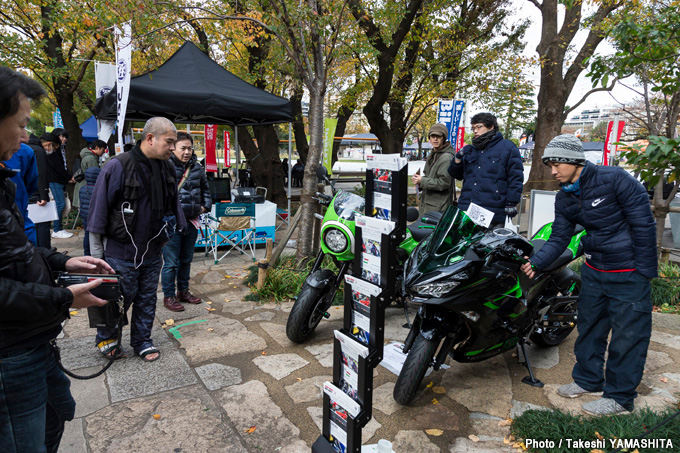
621	260
491	170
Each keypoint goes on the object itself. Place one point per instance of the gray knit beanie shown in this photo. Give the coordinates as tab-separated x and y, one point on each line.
439	129
564	149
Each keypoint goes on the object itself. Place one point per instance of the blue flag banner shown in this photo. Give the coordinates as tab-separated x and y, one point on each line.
450	114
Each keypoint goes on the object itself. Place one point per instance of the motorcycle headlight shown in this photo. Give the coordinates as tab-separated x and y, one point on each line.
435	289
335	240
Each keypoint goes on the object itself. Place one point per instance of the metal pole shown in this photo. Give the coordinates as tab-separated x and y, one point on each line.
613	139
237	152
290	167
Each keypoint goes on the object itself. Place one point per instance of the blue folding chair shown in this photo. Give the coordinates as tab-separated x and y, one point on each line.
233	227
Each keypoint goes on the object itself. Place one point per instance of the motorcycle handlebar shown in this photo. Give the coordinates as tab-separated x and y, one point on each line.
324	196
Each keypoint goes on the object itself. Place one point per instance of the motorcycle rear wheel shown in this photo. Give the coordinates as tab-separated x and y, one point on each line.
417	362
307	312
552	336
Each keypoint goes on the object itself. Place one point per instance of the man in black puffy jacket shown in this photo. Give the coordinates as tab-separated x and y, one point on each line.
621	260
194	196
35	396
491	170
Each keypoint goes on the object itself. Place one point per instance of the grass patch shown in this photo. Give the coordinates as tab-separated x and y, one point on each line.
558	426
284	281
666	289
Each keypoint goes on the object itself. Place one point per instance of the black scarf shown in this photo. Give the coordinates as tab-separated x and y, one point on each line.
484	139
155	186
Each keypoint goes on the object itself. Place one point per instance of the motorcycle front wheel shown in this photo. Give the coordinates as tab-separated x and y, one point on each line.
307	312
419	359
552	336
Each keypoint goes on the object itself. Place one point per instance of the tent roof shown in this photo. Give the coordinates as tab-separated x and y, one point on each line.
191	88
89	128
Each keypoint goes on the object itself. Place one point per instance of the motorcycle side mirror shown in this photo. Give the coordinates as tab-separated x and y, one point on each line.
321	172
412	214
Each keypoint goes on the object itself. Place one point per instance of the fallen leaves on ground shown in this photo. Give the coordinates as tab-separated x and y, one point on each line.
264	352
211	330
73	313
663	379
435	401
473	438
597	451
250	430
439	390
599	436
169	322
209	302
430	385
209	308
227	300
506	422
156	416
434	432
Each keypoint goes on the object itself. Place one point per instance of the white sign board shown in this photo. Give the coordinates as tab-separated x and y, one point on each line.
542	210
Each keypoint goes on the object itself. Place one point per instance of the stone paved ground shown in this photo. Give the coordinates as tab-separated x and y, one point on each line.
231	381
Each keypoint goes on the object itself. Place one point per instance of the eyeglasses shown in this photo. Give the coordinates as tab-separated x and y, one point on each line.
477	127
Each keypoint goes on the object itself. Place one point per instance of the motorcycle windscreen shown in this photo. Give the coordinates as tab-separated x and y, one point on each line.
453	235
347	204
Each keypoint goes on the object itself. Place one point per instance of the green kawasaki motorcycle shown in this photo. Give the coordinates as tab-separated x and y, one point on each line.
337	241
474	302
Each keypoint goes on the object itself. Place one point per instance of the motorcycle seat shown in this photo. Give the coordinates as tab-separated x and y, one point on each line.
565	258
420	230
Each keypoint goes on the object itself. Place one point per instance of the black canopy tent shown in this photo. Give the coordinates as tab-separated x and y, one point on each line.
191	88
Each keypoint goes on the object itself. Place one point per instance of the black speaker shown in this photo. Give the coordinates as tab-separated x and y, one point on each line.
247	195
220	189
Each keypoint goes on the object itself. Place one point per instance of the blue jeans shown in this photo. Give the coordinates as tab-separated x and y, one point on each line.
35	401
57	190
619	302
139	290
177	256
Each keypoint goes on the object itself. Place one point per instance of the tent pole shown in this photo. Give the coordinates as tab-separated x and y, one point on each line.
237	150
290	165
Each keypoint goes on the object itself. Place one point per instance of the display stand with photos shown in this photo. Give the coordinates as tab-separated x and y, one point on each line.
348	400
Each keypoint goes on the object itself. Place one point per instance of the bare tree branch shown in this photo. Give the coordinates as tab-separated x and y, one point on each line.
585	96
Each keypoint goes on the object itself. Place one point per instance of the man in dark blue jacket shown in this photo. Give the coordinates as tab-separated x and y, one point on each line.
132	197
621	259
194	197
491	170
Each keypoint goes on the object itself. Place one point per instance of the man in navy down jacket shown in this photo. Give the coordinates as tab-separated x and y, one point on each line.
491	170
621	260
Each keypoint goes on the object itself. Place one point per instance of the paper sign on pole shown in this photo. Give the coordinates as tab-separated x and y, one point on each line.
123	68
329	125
56	119
609	147
460	140
210	148
227	149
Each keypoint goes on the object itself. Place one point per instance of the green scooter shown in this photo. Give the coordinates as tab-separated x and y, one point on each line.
338	242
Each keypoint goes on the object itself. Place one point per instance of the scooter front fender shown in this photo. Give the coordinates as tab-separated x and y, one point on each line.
321	278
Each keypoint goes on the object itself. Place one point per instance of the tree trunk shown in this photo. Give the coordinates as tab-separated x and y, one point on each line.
307	205
264	161
299	126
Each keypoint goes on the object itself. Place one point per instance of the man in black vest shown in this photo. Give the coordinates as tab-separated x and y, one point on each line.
35	396
134	194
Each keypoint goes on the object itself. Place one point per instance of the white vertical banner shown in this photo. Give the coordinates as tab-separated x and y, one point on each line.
104	78
123	67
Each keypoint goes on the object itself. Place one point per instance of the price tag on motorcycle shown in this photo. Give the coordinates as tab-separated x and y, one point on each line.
479	215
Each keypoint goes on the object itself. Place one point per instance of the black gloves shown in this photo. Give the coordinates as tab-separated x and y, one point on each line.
510	210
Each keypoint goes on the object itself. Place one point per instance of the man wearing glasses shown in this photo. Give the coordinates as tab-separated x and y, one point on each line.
194	196
491	170
435	183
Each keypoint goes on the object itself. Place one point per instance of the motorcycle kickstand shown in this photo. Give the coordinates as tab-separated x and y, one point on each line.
531	379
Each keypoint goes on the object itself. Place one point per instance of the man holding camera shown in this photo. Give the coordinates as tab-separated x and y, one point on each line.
35	397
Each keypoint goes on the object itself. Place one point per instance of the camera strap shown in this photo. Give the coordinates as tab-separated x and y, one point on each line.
111	358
